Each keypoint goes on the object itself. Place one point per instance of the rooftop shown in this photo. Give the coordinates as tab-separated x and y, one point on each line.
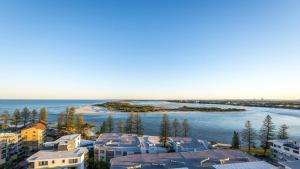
8	135
292	164
68	138
117	140
182	159
188	142
246	165
51	154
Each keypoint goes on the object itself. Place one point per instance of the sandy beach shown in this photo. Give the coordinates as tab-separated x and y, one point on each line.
90	110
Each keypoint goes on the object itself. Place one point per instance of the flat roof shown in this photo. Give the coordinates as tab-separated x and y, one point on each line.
182	159
68	137
51	154
189	142
246	165
292	164
117	140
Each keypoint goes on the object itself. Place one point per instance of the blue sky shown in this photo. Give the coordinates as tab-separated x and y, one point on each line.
150	49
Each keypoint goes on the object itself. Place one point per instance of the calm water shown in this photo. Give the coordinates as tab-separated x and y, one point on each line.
211	125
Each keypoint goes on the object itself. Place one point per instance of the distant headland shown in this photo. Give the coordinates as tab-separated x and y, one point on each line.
126	107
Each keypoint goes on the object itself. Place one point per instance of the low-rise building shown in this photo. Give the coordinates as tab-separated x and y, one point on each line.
246	165
184	160
62	153
34	136
285	150
13	143
74	158
111	145
183	144
151	144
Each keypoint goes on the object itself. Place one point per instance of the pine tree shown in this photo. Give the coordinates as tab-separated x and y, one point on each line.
110	124
71	118
267	133
43	114
186	127
16	118
282	134
176	127
129	123
25	115
80	123
103	128
138	125
248	135
164	130
235	140
5	118
33	115
121	126
61	121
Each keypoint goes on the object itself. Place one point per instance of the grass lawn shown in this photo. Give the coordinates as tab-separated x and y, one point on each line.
259	151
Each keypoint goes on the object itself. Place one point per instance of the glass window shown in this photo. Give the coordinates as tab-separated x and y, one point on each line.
43	163
73	161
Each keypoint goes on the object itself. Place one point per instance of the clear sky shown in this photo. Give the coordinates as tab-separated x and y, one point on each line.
150	49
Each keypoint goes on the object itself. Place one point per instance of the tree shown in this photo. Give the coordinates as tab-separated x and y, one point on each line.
121	126
110	124
80	123
176	127
43	114
235	140
267	133
186	127
282	133
5	118
164	129
129	123
25	115
61	122
16	118
248	135
103	128
33	115
138	125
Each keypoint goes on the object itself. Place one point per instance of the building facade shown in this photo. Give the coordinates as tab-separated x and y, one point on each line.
62	153
34	137
285	150
13	143
111	145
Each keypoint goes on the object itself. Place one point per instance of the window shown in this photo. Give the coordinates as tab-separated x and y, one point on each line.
102	151
43	163
63	161
287	149
53	161
296	151
71	161
118	153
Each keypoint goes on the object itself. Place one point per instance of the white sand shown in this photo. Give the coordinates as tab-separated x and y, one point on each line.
90	110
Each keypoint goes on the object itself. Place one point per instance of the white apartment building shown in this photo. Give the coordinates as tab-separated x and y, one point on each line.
111	145
60	154
151	145
285	150
185	144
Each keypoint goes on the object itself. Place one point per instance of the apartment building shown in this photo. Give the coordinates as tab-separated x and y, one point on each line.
13	143
34	137
210	159
151	145
285	150
184	144
110	145
62	153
